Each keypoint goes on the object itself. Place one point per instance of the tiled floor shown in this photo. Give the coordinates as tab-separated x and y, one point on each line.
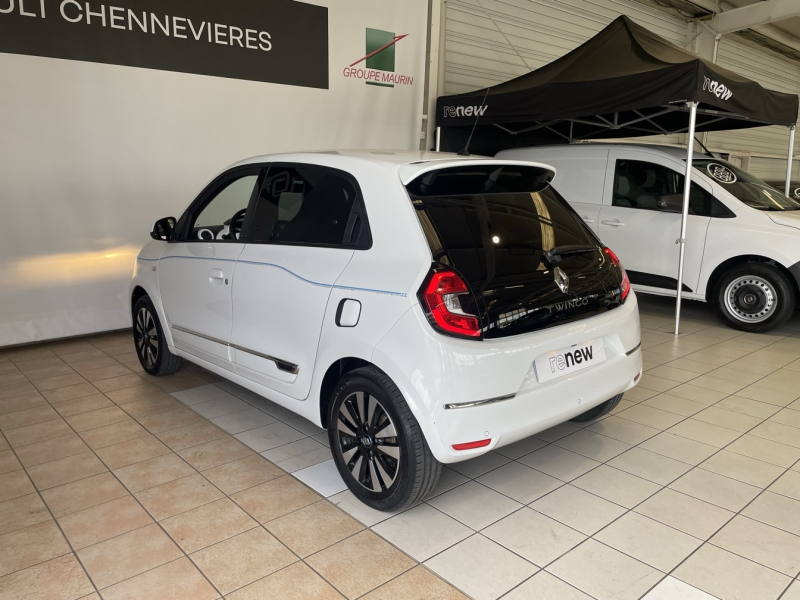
691	489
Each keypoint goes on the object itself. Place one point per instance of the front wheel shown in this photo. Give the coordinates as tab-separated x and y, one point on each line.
377	444
148	335
755	297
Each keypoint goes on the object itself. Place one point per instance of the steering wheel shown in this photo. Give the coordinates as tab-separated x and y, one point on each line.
235	224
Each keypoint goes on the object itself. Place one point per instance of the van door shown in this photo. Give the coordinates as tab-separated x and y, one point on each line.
642	233
196	271
307	222
580	178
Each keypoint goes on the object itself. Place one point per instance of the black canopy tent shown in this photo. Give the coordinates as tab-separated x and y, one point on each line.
626	81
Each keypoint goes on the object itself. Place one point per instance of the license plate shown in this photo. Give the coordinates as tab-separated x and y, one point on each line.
562	362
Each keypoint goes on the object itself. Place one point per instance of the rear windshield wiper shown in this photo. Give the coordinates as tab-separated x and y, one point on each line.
553	256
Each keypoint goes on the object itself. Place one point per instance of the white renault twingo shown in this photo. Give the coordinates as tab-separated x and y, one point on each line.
424	308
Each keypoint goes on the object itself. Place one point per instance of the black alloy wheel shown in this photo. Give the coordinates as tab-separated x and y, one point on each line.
148	336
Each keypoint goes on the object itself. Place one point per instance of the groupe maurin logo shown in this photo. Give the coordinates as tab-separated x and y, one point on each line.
379	62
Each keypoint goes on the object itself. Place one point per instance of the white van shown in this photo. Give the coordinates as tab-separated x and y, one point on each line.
742	239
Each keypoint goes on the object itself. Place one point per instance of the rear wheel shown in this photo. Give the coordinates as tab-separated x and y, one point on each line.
599	410
755	297
148	335
377	444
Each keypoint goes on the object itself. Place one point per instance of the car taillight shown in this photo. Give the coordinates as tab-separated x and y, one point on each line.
440	297
625	285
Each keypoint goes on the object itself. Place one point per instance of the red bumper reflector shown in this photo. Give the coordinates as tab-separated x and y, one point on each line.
639	374
472	445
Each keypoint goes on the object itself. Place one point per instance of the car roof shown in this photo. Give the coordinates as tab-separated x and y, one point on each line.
407	164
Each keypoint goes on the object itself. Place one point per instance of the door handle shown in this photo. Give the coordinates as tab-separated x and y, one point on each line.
216	276
587	219
613	223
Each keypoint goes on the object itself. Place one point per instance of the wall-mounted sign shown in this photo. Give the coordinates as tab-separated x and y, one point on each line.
377	66
275	41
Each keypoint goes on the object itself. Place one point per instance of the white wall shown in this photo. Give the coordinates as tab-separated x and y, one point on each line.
91	154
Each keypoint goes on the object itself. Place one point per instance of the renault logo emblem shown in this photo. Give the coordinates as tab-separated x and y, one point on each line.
562	280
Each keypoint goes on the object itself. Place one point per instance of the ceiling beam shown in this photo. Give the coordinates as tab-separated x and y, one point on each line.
754	15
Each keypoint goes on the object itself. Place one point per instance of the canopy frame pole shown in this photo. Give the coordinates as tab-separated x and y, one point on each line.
687	185
438	138
789	162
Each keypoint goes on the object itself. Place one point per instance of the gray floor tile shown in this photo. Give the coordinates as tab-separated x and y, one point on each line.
269	436
219	407
475	505
422	531
559	462
717	489
685	513
761	543
243	420
578	509
519	482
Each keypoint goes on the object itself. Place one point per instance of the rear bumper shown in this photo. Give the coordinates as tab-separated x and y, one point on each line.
433	371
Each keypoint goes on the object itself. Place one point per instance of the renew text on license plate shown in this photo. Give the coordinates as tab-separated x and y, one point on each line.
562	362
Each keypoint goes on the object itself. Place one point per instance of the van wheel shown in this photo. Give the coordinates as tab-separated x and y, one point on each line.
151	347
755	297
377	444
598	411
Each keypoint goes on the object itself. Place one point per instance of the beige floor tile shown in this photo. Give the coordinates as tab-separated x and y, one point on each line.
52	449
30	434
118	383
127	555
48	372
176	580
30	546
58	579
519	482
578	509
672	373
694	393
593	445
274	498
422	531
767	395
604	572
705	433
417	584
241	560
313	528
776	510
761	543
728	419
171	419
241	474
463	566
208	524
299	582
178	496
787	416
649	541
649	465
96	418
638	394
81	366
197	433
787	485
556	432
133	451
658	384
559	463
133	394
117	370
214	453
742	468
749	407
66	470
765	450
475	505
82	405
717	489
14	485
521	448
152	472
26	366
52	383
793	593
679	448
28	416
104	521
16	389
653	417
685	513
778	432
82	355
71	392
85	493
8	461
730	577
22	402
12	378
475	467
533	536
622	429
616	486
544	586
150	406
22	512
113	434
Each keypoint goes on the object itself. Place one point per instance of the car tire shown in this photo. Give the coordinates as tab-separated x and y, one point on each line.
151	346
385	472
598	411
755	297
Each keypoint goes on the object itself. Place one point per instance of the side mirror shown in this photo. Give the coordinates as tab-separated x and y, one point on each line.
672	203
163	229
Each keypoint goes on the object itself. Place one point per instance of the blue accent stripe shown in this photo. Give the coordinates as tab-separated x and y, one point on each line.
265	264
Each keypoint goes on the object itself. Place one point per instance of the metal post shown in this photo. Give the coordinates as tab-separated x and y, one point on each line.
687	184
438	138
789	162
